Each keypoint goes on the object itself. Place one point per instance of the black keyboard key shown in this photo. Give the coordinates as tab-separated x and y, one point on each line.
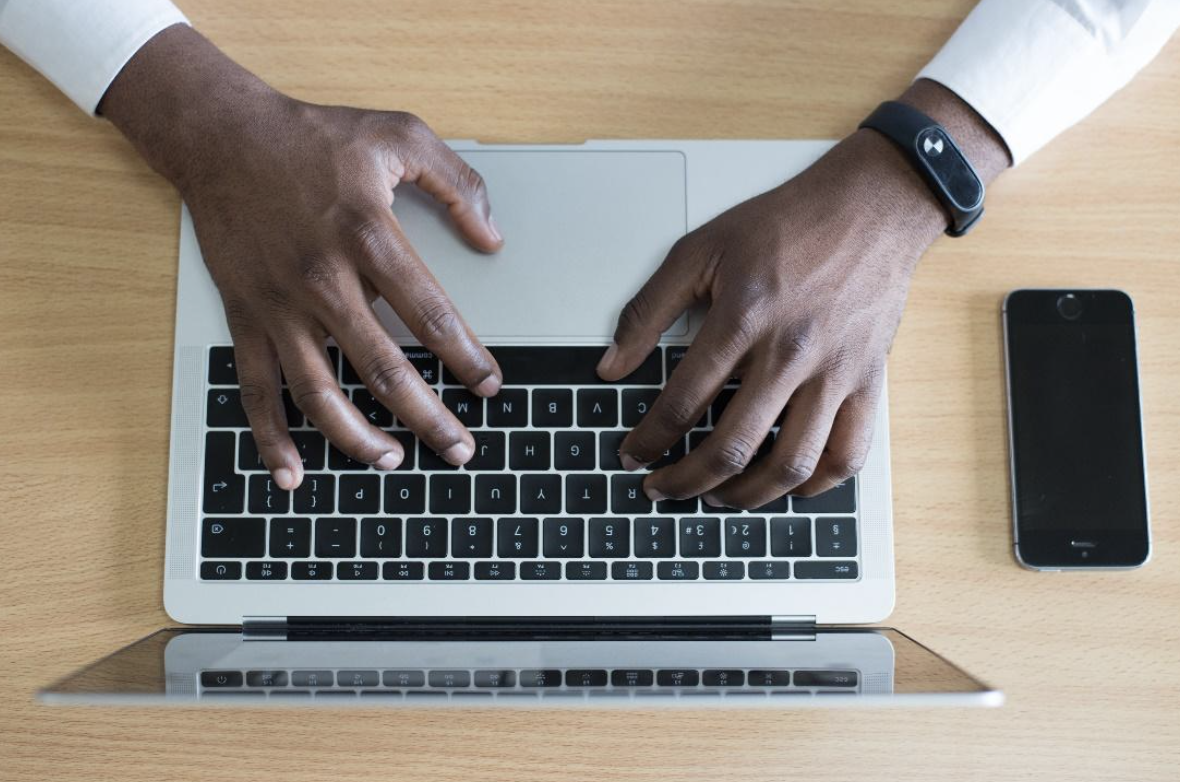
581	677
770	678
224	490
495	571
357	678
266	496
380	538
495	494
835	537
335	538
567	366
636	403
672	455
489	452
790	537
509	409
317	494
450	679
725	571
717	408
311	447
450	494
402	571
528	451
425	362
675	354
553	408
540	494
360	493
632	677
371	408
828	569
598	408
405	494
840	499
466	406
249	460
723	678
678	677
266	679
290	538
356	571
626	495
678	570
825	678
585	571
221	571
679	507
585	493
770	569
610	538
495	678
573	451
655	537
631	571
745	536
409	447
449	571
700	536
212	679
266	571
348	375
540	571
430	461
471	538
223	367
778	505
338	460
426	538
564	538
608	450
311	571
240	538
403	678
540	678
516	538
312	678
224	409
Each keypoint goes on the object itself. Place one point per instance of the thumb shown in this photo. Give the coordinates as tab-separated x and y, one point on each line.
652	311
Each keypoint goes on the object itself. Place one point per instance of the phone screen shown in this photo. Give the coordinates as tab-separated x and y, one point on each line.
1077	445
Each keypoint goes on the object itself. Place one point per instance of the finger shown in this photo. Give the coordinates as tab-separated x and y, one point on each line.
735	439
389	375
699	377
793	458
848	445
260	382
652	310
399	275
312	382
437	169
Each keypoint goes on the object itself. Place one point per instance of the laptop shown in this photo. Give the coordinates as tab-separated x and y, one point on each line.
541	559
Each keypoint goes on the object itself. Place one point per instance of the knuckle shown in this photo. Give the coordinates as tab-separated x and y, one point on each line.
312	395
845	465
385	375
438	321
407	123
320	276
731	456
636	312
794	472
677	410
471	182
369	238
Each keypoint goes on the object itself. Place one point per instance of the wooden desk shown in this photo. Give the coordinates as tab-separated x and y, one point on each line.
87	272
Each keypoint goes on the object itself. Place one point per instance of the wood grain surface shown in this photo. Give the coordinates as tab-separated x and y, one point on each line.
87	286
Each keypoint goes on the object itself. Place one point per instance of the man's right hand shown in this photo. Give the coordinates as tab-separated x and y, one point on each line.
291	203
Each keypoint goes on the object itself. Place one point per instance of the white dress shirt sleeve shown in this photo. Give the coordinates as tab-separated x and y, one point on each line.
81	45
1033	68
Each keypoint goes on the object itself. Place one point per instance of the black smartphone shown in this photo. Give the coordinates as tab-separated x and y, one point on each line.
1075	431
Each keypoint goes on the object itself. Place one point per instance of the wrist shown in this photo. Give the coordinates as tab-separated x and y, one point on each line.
979	142
181	101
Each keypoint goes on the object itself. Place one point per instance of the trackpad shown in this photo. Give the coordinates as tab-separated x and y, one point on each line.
583	230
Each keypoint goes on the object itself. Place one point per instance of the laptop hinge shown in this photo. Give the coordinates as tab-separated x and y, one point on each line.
273	628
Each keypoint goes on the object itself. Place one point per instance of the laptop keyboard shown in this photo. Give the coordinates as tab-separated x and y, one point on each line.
544	498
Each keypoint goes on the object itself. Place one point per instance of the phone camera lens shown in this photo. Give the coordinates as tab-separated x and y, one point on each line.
1069	306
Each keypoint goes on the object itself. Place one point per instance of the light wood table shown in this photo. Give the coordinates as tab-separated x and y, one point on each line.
87	280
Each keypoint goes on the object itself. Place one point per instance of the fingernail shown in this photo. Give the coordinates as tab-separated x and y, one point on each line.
389	461
458	453
654	494
630	463
712	501
489	386
608	358
285	479
495	229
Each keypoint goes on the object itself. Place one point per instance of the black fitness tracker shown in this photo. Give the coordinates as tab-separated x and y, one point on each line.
937	158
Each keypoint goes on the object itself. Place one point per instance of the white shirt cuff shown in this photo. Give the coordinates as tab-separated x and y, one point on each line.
82	45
